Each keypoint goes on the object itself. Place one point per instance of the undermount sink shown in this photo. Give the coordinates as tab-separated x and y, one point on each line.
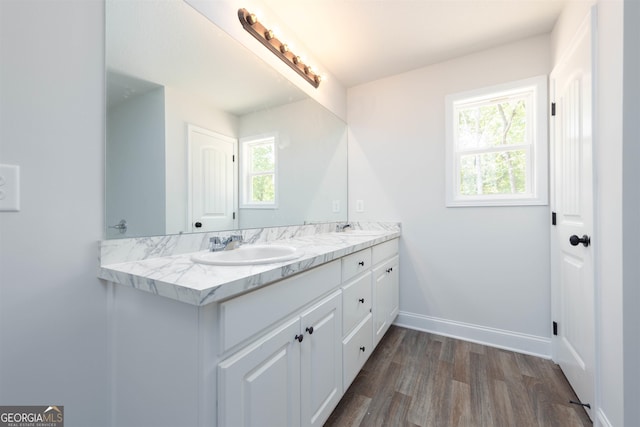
249	255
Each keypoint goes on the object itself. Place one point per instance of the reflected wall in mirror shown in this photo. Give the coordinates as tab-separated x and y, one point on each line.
184	101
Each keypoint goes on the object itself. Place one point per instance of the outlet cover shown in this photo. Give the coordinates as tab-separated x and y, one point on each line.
9	188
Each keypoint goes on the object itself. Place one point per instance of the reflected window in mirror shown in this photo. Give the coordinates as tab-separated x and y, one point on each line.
258	172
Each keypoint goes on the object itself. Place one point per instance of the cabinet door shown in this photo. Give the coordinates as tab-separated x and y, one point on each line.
321	360
260	385
394	289
385	297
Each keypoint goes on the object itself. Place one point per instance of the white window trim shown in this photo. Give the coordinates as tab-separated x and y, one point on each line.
244	143
539	192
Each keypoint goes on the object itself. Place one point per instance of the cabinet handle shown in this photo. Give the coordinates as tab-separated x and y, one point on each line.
389	270
310	330
361	300
362	349
361	263
299	337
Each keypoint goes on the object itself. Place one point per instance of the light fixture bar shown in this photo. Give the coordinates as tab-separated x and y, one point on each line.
281	50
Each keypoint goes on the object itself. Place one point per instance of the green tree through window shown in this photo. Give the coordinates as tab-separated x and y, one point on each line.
258	172
262	171
498	125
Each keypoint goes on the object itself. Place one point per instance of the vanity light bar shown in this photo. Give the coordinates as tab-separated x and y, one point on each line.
280	49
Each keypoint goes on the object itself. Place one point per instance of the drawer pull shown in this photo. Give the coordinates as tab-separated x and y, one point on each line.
362	349
361	263
299	337
361	300
389	270
310	330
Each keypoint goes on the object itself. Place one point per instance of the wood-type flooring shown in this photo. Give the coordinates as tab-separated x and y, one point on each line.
419	379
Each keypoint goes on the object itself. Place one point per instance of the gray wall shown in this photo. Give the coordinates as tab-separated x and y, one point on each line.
53	314
631	212
135	173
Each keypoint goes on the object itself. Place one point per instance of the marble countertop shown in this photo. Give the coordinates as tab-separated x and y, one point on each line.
178	277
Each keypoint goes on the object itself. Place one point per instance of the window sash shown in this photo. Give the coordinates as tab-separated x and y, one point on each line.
534	142
248	174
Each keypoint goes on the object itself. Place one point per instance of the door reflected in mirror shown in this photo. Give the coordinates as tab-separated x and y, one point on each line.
182	99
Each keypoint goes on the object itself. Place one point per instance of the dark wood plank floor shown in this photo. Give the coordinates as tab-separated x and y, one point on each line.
420	379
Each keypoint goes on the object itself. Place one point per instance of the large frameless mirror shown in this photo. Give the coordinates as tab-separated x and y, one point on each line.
202	135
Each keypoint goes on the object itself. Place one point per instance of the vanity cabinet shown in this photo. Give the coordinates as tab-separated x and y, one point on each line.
282	354
370	299
292	374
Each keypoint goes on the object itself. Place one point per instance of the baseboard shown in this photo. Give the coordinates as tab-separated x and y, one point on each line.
508	340
601	419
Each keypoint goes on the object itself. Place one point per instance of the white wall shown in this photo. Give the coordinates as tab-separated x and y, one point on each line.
135	170
53	343
478	273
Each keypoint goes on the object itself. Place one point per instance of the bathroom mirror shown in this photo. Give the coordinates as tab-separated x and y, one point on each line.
202	135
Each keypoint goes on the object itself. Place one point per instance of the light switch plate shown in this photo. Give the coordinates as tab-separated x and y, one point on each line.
359	205
9	188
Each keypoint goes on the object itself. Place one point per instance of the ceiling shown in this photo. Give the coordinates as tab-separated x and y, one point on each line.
364	40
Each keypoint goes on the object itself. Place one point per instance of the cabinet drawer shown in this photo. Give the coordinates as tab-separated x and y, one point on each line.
357	348
248	314
355	263
384	250
356	301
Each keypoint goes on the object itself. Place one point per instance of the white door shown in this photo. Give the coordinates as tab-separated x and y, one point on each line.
572	189
212	201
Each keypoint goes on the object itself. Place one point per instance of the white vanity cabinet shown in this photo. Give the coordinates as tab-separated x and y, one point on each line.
280	354
386	295
291	375
370	299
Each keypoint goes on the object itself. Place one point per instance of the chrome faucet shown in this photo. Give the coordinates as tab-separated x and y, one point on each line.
217	243
341	227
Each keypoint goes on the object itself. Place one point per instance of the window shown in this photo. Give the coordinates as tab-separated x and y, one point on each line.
497	145
258	172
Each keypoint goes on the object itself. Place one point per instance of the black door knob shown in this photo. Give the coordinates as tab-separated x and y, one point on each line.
575	240
299	338
198	224
310	330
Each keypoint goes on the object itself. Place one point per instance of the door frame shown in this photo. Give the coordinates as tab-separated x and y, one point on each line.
591	19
